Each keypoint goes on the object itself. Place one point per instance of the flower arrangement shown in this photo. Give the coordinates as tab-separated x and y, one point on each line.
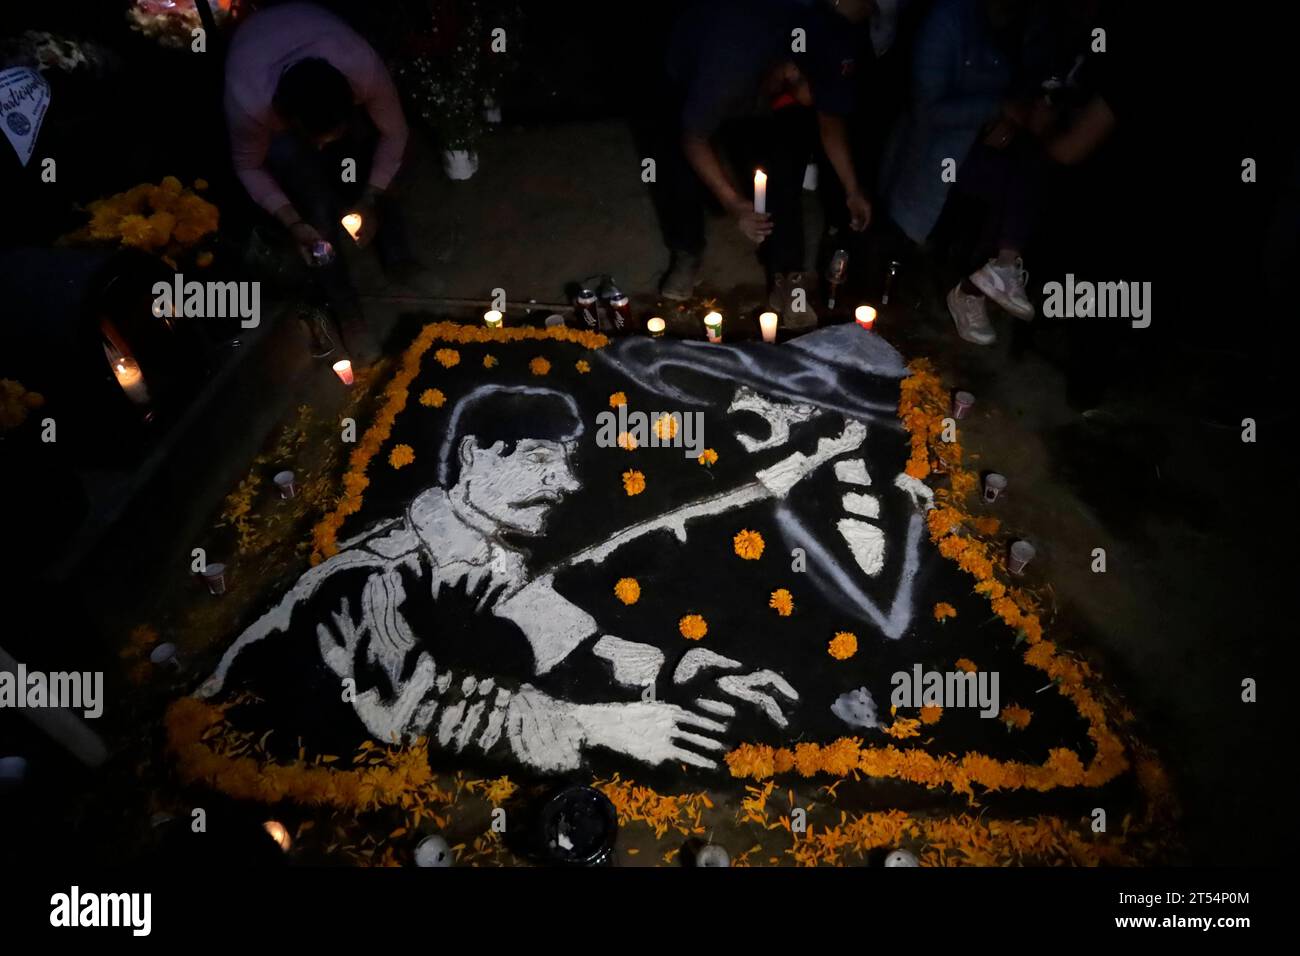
782	601
447	358
433	398
16	403
708	458
166	219
539	366
172	22
627	441
47	51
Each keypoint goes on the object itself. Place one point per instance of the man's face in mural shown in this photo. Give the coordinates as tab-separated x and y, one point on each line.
516	489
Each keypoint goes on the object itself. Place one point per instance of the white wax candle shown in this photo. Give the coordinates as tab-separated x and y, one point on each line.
352	223
655	326
866	316
767	322
343	369
760	191
713	326
131	379
493	319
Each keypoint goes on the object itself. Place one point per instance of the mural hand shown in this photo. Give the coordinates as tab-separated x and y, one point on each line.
652	732
746	687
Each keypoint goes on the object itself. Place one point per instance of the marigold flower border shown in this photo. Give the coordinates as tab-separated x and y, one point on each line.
923	406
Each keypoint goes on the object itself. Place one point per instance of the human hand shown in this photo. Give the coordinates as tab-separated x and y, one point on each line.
752	688
859	211
651	731
755	226
306	236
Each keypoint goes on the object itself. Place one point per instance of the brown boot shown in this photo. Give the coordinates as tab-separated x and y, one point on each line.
791	298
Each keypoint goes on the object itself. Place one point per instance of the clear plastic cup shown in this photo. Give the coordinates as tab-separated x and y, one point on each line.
285	483
994	485
961	403
1022	552
215	578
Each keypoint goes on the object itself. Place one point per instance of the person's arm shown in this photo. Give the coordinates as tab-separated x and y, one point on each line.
382	102
1085	135
704	159
836	144
249	142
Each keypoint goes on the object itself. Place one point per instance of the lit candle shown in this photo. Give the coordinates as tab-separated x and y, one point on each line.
655	326
713	326
131	379
343	369
352	223
866	316
760	191
493	319
767	323
277	832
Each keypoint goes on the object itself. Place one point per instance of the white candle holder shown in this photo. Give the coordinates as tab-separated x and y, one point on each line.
713	326
767	324
493	319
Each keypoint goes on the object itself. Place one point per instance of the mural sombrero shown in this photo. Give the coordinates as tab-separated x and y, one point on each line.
703	566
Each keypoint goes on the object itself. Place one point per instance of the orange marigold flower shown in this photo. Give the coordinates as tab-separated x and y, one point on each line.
539	366
627	441
489	361
748	544
944	610
617	399
693	627
708	457
917	468
633	482
782	601
666	426
401	456
931	714
987	525
203	259
904	727
432	398
583	366
965	664
447	357
843	645
628	590
942	521
1015	716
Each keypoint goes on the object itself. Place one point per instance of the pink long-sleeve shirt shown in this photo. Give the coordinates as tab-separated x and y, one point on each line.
262	49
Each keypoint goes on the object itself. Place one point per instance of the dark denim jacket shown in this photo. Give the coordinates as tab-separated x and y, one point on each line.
959	79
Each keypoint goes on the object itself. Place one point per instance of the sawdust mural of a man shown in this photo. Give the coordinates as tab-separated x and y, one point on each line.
437	621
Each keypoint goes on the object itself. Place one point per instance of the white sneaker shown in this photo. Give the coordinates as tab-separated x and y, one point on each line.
970	317
1005	285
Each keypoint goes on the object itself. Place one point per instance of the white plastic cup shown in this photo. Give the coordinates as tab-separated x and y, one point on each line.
1022	552
165	653
343	369
214	576
994	485
284	481
767	323
493	319
961	403
554	320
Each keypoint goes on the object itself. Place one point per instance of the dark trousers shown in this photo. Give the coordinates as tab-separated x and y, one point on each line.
781	144
1010	187
313	180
